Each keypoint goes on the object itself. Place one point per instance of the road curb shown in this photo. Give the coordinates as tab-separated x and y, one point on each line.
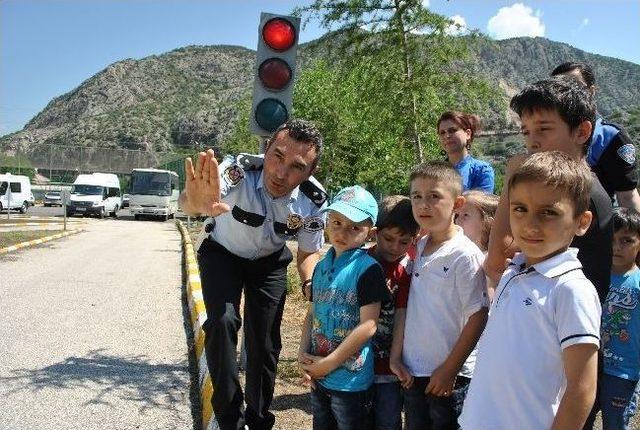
38	241
198	315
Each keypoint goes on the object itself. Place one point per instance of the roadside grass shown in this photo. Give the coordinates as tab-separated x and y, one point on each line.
11	238
13	220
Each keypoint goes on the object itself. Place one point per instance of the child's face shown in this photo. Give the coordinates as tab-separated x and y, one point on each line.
470	219
542	220
345	234
545	130
392	243
433	203
626	245
452	137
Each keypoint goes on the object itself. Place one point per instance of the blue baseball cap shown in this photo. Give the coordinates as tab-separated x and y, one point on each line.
355	203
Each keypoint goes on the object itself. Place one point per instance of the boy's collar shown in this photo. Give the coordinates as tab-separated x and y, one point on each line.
551	267
346	255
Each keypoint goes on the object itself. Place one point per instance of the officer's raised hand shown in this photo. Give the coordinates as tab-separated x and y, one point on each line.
202	189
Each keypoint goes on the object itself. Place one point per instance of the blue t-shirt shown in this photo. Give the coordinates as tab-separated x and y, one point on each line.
621	327
340	287
476	174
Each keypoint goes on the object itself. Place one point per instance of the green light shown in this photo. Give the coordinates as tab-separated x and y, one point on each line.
270	114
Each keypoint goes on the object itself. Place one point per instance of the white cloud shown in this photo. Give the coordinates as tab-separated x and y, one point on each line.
425	3
585	22
516	20
458	27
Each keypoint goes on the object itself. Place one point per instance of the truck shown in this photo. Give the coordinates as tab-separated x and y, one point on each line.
95	194
15	192
154	193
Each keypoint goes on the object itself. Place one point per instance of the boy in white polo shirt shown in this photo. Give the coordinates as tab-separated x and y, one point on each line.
446	312
537	359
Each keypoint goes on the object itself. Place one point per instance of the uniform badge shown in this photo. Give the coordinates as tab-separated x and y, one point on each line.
627	153
313	224
294	221
233	175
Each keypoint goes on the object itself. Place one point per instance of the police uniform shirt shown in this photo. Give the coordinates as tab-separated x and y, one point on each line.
612	156
258	224
595	245
537	312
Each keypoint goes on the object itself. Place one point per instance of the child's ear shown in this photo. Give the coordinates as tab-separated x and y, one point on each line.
584	221
458	203
584	132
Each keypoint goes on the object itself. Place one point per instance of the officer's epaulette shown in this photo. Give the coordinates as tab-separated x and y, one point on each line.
313	192
250	162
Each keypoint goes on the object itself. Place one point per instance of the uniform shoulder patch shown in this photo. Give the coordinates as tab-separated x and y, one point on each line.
313	224
313	192
250	162
628	153
233	175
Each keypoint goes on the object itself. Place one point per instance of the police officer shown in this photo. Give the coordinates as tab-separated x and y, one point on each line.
258	202
612	155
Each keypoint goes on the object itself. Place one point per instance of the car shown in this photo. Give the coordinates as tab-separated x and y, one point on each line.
32	199
125	200
52	198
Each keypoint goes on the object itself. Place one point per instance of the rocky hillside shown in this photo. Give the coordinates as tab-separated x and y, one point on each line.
192	94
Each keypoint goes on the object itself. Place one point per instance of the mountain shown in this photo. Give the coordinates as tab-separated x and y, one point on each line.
193	94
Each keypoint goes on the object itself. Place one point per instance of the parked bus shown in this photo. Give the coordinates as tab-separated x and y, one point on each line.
154	193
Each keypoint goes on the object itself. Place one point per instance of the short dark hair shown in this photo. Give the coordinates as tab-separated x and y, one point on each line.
558	170
395	212
439	171
626	219
562	94
585	71
302	131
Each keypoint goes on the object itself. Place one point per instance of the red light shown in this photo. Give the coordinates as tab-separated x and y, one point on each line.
279	34
274	73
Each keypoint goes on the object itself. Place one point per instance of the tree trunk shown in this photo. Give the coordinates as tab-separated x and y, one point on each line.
414	133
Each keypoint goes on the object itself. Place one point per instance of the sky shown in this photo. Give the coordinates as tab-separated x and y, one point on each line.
49	47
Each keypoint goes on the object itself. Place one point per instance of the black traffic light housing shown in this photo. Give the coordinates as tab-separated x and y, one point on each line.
274	72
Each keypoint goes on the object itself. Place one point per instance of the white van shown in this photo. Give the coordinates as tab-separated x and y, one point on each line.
154	193
15	191
97	193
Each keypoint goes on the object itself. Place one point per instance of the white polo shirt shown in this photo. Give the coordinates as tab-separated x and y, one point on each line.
538	311
447	287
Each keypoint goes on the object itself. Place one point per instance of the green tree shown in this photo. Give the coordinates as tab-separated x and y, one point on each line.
417	64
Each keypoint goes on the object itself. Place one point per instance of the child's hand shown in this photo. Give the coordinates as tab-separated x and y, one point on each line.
441	382
406	379
306	378
317	367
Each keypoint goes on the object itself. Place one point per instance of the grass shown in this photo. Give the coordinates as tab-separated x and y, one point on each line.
13	220
14	237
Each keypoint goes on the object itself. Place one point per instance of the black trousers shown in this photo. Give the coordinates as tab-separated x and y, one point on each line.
224	276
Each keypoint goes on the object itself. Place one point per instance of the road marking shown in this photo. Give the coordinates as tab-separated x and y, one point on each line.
198	315
38	241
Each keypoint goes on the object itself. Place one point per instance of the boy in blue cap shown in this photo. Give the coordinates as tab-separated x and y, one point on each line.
348	286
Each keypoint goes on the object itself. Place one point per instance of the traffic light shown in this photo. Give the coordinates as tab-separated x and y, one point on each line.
274	70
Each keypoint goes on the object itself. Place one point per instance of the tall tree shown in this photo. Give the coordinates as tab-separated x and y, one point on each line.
420	55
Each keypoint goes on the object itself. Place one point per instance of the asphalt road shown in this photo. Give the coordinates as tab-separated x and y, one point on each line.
92	331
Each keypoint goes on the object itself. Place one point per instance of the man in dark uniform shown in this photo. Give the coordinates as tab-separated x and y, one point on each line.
258	202
612	155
